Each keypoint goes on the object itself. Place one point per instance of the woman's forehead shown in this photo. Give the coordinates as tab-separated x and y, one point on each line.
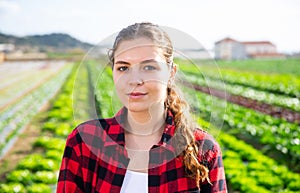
138	50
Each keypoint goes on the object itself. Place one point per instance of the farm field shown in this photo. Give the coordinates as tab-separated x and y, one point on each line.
281	87
19	78
16	116
261	152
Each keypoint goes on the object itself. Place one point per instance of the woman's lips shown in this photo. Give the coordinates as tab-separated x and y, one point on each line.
136	95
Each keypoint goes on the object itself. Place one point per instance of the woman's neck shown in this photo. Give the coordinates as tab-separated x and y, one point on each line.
146	122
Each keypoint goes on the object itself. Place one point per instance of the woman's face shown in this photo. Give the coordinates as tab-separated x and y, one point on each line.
140	75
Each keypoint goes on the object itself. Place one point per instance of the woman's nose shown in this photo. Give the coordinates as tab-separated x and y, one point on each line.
135	78
136	81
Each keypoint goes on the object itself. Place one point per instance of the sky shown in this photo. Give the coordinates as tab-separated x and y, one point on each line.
207	21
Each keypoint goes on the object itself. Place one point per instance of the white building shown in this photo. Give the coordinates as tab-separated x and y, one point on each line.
7	47
230	49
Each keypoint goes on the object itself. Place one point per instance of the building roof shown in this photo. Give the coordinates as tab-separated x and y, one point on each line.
258	42
227	39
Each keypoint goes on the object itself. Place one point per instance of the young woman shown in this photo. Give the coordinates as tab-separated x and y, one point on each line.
151	145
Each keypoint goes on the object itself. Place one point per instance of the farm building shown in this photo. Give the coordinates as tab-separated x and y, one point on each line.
7	47
4	49
230	49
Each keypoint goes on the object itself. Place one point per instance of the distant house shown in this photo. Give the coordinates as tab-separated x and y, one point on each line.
230	49
4	49
7	48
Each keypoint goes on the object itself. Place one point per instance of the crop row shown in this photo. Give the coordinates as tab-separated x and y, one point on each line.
249	91
23	86
292	103
249	170
12	72
104	89
276	135
38	172
14	119
288	84
19	78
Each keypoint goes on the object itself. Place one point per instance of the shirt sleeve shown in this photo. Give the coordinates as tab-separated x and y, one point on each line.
216	171
70	174
210	155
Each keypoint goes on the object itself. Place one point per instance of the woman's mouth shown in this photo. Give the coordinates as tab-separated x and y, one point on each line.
136	95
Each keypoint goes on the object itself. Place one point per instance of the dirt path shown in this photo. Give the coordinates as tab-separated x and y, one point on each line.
275	111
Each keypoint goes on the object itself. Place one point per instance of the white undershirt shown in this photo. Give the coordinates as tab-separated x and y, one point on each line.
135	182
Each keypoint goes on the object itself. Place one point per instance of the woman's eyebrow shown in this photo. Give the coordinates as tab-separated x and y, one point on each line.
143	62
122	62
148	61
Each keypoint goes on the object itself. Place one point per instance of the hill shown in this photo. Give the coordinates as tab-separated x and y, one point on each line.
48	42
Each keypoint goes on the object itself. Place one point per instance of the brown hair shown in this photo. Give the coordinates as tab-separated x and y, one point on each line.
184	136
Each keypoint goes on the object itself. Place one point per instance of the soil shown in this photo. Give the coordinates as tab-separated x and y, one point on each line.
275	111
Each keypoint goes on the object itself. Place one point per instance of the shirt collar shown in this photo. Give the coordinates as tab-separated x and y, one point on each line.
115	131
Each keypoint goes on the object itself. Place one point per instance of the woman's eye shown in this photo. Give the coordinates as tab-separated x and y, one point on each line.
149	67
122	68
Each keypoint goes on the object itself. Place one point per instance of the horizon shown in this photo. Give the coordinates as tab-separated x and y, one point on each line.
95	44
207	22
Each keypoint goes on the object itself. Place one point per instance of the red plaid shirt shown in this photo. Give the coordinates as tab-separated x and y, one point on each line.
95	160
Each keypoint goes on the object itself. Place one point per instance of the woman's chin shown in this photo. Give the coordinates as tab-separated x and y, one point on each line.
138	108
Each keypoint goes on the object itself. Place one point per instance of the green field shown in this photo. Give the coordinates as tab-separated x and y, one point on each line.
281	66
261	153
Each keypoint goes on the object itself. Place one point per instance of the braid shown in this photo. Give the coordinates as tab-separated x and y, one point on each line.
184	137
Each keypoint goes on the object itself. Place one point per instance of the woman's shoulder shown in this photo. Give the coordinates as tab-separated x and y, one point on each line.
201	134
93	135
101	127
93	127
205	140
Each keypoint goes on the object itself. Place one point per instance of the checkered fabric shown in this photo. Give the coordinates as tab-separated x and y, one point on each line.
95	160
